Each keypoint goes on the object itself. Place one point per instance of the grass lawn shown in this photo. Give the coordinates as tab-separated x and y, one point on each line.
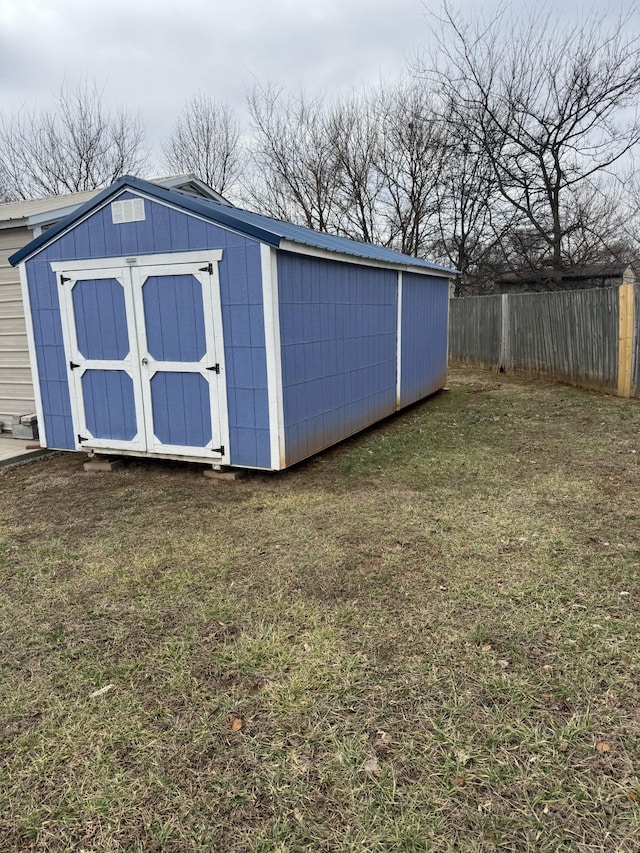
425	639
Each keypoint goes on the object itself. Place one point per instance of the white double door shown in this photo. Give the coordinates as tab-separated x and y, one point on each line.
143	340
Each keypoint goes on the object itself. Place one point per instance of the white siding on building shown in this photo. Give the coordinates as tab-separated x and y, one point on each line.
16	387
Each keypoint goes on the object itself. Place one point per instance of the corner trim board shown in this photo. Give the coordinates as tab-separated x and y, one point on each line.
31	346
399	346
269	265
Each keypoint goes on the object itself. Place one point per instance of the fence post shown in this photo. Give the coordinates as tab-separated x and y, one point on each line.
505	342
625	339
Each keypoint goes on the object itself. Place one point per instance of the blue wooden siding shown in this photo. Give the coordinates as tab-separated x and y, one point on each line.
181	408
425	303
109	404
164	230
174	318
101	319
338	327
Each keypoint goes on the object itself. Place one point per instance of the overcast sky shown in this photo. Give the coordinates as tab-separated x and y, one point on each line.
149	55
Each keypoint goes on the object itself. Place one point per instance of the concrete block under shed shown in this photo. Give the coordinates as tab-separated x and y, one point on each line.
102	465
228	474
25	427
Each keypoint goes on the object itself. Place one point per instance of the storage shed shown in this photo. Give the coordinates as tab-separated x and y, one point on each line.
21	221
168	326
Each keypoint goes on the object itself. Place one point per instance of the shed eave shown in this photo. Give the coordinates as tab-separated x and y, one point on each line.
60	227
49	216
19	222
419	267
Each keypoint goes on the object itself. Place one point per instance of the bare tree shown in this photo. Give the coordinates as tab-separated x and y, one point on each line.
409	163
470	218
365	167
552	109
205	141
295	172
79	145
355	135
627	195
598	219
5	195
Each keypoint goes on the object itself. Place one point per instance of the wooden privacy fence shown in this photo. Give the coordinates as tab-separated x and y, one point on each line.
584	337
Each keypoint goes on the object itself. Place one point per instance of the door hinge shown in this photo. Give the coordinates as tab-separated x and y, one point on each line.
215	368
64	278
208	268
81	438
219	450
73	365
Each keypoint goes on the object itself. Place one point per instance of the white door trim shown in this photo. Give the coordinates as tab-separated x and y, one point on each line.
169	258
73	355
131	274
399	346
214	352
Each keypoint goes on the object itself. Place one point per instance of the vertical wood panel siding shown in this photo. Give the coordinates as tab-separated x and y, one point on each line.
181	409
163	230
572	335
424	336
338	327
568	335
109	404
101	319
174	318
474	330
635	369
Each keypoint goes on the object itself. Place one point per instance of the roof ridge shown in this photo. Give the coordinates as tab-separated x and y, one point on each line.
250	223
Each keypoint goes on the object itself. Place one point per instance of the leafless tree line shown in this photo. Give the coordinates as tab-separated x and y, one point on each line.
78	145
509	147
555	112
366	167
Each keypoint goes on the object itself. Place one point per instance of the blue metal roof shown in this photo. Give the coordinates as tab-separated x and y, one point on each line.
262	228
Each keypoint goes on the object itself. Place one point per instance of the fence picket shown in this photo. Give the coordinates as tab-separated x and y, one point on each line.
571	335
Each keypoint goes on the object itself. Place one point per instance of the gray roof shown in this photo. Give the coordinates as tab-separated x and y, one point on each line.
17	212
30	211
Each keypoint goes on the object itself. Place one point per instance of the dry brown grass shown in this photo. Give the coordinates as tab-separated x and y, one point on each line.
430	635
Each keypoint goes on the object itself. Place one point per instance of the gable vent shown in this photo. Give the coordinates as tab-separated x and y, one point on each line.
130	210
